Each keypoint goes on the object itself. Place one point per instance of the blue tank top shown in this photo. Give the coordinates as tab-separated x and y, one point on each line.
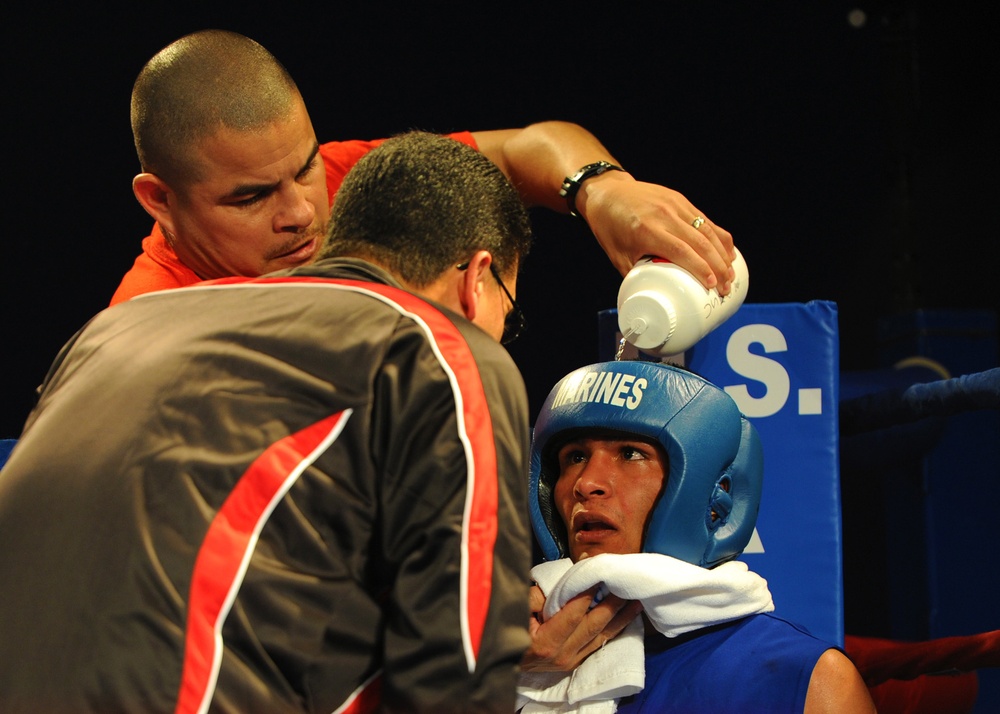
758	664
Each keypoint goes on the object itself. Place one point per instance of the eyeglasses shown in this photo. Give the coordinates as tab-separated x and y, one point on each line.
513	323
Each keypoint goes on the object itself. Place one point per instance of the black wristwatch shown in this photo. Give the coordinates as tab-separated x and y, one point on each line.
571	184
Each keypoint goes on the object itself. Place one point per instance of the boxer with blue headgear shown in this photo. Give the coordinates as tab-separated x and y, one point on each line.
645	481
708	508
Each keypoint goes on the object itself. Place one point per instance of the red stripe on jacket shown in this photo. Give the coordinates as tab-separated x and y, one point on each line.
225	552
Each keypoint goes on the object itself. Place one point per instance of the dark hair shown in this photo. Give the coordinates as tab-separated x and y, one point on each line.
421	203
195	86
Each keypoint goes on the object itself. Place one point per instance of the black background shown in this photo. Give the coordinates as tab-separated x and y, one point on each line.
853	162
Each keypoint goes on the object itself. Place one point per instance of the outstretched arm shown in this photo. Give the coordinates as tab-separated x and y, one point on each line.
629	218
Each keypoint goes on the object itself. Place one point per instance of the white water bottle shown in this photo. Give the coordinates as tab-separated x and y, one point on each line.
663	309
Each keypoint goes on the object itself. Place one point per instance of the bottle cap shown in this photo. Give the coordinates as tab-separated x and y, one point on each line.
647	319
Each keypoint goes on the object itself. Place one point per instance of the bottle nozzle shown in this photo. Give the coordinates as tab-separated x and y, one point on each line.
648	318
637	326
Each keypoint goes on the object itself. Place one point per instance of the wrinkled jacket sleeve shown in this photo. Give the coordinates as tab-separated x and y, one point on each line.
450	439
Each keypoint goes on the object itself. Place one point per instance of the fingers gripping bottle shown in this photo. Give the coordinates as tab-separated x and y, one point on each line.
663	309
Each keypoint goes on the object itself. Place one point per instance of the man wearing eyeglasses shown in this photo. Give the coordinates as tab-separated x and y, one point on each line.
303	492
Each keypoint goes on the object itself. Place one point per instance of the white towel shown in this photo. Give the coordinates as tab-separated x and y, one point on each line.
677	597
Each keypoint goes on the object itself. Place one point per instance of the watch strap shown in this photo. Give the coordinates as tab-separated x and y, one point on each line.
571	184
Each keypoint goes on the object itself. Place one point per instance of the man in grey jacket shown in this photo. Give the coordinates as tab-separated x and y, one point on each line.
299	492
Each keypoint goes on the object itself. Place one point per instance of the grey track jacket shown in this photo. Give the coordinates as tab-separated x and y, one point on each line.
294	493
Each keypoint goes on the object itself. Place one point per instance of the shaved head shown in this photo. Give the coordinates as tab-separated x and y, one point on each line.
199	84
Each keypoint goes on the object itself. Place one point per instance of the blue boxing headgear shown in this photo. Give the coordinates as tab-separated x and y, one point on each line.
715	457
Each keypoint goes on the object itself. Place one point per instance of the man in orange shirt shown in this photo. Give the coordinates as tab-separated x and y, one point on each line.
238	184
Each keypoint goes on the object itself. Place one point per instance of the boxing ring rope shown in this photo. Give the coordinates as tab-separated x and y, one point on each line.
905	405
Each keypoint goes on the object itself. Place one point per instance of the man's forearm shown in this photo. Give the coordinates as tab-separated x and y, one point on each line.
540	156
629	218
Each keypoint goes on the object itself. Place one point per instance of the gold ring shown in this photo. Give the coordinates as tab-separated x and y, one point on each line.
697	222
